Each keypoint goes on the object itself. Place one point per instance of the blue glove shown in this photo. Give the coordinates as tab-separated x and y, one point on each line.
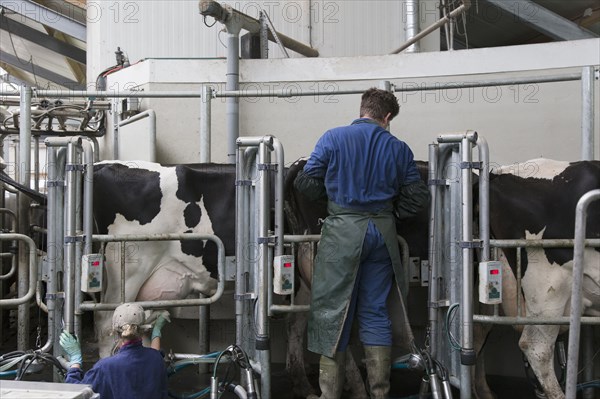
72	348
160	322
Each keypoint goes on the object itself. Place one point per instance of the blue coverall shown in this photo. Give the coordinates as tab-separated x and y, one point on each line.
363	167
135	372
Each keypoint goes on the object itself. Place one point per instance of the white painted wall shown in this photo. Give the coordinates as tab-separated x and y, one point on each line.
520	122
175	29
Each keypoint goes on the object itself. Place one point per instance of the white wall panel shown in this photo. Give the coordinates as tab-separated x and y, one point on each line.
175	29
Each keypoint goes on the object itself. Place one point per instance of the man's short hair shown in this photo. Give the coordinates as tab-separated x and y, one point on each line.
378	103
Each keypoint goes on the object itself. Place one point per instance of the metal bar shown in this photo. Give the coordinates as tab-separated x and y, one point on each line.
24	178
51	252
70	232
587	114
544	243
267	20
174	302
544	20
576	292
431	28
412	17
467	352
433	253
23	299
506	320
294	93
262	321
232	103
48	17
205	124
302	238
484	197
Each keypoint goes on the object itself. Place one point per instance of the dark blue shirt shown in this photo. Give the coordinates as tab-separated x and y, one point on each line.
363	165
135	372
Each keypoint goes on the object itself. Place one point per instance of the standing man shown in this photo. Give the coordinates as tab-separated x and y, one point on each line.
365	172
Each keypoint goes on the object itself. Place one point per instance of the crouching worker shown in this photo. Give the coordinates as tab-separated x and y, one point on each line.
134	371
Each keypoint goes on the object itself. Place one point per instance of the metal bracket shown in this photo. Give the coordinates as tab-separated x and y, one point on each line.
244	297
267	240
442	303
58	295
438	182
243	183
55	183
471	165
471	244
73	239
267	166
77	167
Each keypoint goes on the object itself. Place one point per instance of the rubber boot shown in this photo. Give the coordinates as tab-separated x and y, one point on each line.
331	376
379	363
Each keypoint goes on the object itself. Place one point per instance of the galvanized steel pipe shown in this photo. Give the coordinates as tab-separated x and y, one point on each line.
32	269
576	291
24	178
587	113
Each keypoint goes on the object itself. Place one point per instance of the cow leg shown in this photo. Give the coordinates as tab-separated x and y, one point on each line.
481	389
547	289
297	323
537	342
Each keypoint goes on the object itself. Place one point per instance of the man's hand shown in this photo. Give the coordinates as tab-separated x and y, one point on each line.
161	320
71	347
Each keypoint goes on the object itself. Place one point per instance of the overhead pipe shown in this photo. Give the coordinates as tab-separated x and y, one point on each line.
411	11
466	4
227	15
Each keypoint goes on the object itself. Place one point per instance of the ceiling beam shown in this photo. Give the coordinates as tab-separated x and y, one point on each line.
35	36
46	16
544	20
40	71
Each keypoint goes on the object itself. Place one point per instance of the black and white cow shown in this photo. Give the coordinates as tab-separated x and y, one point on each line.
535	200
147	198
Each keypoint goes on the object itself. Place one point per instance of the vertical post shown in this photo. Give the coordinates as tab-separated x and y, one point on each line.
205	123
467	354
576	292
411	15
205	144
587	113
484	197
262	321
233	84
433	252
51	255
23	169
264	36
70	233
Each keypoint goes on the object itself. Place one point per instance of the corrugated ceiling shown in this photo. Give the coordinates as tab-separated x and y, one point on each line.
42	43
